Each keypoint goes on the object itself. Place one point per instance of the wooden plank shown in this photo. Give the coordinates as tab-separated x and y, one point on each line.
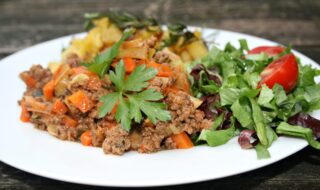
35	11
28	22
284	32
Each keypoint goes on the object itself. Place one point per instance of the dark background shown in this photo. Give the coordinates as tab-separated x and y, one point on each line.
24	23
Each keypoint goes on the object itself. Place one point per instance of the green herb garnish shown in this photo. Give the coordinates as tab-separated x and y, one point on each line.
175	32
132	99
101	63
122	20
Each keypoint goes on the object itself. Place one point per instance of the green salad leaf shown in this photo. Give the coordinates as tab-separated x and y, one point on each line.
266	95
228	95
298	131
257	109
215	137
260	125
241	110
307	75
262	152
280	95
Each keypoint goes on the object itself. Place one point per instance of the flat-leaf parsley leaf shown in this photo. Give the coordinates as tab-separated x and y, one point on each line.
132	99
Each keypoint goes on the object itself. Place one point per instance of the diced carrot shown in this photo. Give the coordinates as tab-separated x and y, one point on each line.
94	82
182	140
142	148
163	70
186	87
25	115
57	72
59	107
69	122
171	89
80	100
48	90
86	138
29	80
140	61
114	109
148	123
129	64
152	64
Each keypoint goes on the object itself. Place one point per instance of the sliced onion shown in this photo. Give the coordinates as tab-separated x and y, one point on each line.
52	130
248	139
39	111
79	78
34	105
195	101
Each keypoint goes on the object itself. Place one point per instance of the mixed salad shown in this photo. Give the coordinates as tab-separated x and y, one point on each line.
130	85
258	94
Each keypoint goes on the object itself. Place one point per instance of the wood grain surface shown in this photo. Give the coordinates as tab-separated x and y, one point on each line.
27	22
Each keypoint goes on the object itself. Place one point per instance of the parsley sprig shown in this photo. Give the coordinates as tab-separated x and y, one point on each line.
131	97
101	63
122	20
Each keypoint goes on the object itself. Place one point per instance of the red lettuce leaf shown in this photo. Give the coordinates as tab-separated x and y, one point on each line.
211	74
307	121
248	139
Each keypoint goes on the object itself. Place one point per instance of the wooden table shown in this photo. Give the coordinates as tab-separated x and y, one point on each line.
24	23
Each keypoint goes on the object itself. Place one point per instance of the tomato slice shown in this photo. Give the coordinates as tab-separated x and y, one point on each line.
269	50
283	71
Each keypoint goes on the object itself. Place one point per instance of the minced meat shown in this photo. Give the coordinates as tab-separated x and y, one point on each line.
42	76
117	141
184	115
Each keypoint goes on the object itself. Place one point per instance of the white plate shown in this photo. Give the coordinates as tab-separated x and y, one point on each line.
35	151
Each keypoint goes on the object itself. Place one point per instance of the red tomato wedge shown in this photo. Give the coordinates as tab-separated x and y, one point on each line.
283	71
269	50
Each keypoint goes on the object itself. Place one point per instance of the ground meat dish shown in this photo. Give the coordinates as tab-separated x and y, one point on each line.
66	98
145	138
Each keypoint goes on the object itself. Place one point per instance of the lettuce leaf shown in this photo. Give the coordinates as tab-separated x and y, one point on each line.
215	137
298	131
